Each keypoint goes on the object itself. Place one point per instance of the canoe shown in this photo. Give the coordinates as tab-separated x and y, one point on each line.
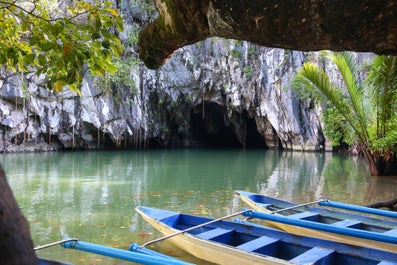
238	242
341	226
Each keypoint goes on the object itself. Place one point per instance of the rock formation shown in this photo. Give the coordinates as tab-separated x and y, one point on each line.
304	25
215	93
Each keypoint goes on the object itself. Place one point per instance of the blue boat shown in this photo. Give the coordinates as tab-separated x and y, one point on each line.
327	223
238	242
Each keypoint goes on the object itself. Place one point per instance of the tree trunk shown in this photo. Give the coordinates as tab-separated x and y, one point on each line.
391	205
16	246
381	164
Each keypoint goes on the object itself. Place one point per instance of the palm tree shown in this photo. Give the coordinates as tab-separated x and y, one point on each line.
368	108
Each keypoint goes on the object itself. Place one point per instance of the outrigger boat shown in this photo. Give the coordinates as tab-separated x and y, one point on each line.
240	242
325	223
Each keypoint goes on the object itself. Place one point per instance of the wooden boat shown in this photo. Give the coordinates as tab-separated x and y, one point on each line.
340	226
231	242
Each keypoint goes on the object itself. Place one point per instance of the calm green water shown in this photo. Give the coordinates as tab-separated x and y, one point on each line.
92	195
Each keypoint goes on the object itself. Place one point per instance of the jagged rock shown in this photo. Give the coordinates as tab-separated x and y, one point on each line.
215	93
306	25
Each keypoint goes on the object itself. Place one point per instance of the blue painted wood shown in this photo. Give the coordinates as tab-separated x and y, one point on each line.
141	258
324	227
253	238
305	216
386	262
361	209
313	255
325	215
211	234
392	232
258	243
347	223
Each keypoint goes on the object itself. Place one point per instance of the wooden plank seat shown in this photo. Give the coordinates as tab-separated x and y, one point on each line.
392	232
386	262
347	223
313	256
264	205
214	233
258	243
305	216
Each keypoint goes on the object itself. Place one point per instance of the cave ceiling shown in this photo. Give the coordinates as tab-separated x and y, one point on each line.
306	25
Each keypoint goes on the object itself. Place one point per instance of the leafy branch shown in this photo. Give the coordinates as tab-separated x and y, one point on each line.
61	46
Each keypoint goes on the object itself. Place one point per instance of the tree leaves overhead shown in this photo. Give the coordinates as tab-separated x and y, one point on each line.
59	42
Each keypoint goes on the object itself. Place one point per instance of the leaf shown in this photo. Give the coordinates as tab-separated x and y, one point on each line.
67	48
112	11
42	59
46	46
58	85
29	59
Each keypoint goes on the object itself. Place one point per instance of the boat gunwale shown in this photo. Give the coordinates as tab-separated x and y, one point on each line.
388	224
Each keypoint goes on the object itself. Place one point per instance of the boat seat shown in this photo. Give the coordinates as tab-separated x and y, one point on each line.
312	256
257	243
263	205
392	232
386	262
214	233
347	223
304	216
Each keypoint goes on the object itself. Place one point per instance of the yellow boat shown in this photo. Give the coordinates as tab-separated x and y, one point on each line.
358	225
243	243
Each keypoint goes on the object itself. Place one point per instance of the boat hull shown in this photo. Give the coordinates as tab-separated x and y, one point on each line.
257	202
212	252
239	242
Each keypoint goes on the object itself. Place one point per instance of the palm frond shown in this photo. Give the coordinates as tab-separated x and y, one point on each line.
346	66
311	77
382	79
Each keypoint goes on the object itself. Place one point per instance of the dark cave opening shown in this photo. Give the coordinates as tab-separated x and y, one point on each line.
253	139
212	128
209	128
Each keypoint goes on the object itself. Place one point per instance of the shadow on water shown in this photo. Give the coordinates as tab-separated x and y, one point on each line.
92	195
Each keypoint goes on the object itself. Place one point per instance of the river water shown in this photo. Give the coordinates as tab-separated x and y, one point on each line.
92	195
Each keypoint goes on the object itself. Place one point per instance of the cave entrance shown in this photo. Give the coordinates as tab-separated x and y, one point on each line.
253	139
212	128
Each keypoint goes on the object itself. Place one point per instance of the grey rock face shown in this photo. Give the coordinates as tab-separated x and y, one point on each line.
217	92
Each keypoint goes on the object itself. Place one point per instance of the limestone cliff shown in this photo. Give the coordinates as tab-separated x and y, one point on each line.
215	93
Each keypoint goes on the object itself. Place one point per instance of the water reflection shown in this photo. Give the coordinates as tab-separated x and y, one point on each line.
93	195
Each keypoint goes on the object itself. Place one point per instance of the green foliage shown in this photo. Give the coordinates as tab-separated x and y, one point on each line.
248	71
236	53
382	78
59	43
121	78
252	51
349	104
335	128
361	112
